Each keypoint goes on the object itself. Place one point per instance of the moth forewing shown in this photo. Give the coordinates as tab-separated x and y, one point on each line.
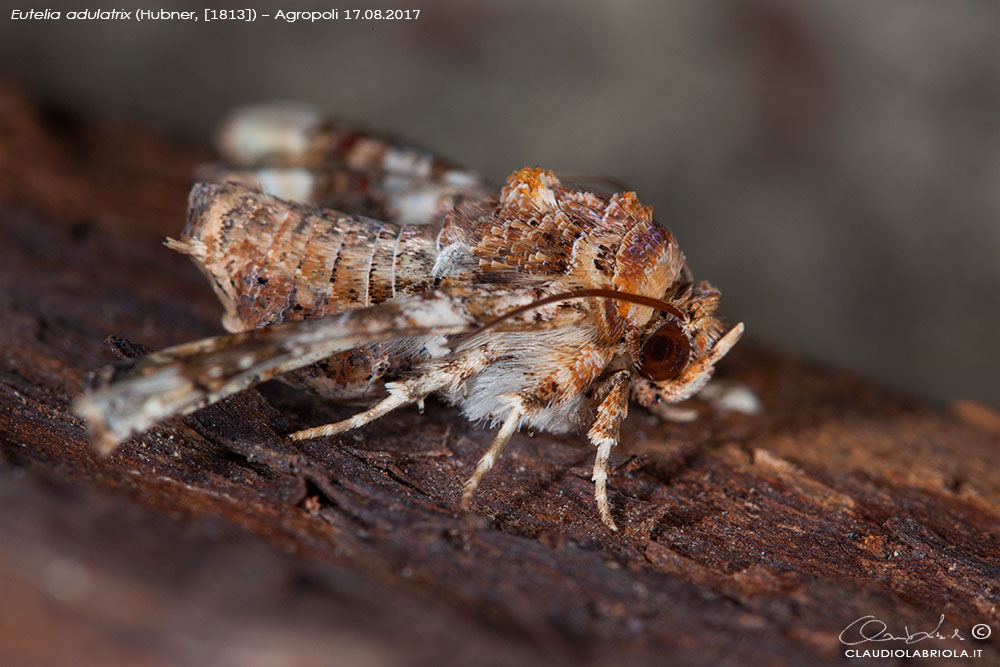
136	395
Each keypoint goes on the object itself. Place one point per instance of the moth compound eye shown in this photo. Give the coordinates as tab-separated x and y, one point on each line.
665	354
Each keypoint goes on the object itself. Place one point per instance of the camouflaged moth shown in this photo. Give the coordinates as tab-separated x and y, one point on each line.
539	306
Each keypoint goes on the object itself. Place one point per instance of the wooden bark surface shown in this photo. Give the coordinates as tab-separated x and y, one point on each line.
214	540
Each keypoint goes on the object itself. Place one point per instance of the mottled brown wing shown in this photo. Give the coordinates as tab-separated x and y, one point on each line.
271	260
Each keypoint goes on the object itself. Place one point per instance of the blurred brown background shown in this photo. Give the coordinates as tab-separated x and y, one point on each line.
834	167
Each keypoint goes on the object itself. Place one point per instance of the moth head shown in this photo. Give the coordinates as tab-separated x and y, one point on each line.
672	355
677	355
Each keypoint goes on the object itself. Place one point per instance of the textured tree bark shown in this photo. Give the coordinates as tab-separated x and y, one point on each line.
215	540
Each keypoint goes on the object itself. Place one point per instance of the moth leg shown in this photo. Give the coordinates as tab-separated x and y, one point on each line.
435	376
604	435
399	395
503	436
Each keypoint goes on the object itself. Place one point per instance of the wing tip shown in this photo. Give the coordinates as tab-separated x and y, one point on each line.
102	439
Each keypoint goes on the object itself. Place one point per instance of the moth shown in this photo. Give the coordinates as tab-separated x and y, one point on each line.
541	305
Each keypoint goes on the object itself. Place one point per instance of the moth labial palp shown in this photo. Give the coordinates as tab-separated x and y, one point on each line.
536	306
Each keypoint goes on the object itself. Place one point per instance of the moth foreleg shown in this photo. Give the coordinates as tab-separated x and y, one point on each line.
503	436
604	435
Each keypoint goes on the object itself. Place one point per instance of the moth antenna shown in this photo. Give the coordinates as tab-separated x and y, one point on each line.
628	297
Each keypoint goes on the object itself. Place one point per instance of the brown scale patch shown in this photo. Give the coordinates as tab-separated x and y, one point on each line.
584	368
312	283
381	268
349	283
278	295
529	229
540	228
415	254
624	212
648	262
